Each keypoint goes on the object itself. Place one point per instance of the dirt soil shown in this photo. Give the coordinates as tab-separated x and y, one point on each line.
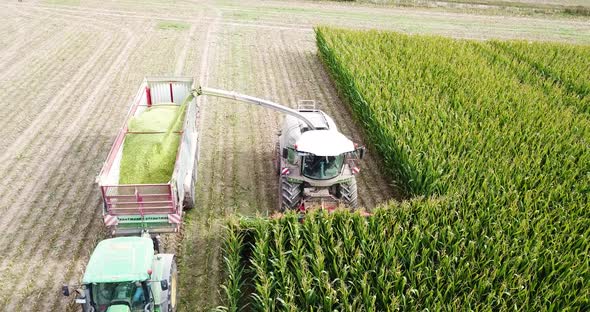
69	69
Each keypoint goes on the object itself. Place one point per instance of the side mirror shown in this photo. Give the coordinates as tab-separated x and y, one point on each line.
361	152
285	153
164	285
65	290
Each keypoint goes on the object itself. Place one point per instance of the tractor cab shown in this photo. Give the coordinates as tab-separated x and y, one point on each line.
121	296
124	275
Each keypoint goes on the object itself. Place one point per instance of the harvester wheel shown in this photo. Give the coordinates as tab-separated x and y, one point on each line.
173	288
291	194
349	194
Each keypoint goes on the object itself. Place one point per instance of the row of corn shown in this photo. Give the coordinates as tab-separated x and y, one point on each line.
491	139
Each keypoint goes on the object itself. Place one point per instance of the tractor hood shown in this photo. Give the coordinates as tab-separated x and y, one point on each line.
324	143
118	308
122	259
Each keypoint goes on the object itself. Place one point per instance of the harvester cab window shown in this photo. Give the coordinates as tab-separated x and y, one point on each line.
126	293
322	167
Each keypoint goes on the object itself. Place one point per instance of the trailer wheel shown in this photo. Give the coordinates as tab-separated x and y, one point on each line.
349	194
189	197
173	288
278	163
291	194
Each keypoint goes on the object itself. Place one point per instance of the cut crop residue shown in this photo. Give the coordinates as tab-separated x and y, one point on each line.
150	157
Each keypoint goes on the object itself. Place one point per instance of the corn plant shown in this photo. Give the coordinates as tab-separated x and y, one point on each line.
492	141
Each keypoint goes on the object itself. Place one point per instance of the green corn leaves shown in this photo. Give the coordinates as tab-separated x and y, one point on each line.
491	139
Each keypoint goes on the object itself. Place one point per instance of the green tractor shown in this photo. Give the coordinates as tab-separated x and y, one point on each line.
124	274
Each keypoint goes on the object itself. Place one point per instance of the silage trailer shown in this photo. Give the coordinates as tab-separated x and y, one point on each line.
133	208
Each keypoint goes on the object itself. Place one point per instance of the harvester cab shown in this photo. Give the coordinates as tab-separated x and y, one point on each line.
316	163
124	274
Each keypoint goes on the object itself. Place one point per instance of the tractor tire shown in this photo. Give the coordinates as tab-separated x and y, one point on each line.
349	194
291	195
173	288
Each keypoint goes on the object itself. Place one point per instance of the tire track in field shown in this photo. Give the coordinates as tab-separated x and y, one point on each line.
30	79
36	39
277	77
66	196
33	124
264	140
214	205
197	244
42	130
269	91
38	150
76	84
244	197
178	71
83	75
24	102
201	243
101	104
55	215
17	23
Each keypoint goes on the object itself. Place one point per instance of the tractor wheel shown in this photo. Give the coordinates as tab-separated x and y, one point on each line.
291	194
189	198
348	194
173	288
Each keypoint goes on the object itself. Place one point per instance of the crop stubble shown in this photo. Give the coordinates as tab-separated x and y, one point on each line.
49	202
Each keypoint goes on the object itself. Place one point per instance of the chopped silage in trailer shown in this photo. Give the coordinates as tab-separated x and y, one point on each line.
150	157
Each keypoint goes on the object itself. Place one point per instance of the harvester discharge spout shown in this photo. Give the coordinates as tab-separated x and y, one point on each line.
254	100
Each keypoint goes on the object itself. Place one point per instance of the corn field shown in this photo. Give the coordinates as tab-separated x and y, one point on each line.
491	140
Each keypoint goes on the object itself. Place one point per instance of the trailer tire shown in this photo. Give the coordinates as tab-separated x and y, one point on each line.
349	194
189	197
291	194
278	153
173	288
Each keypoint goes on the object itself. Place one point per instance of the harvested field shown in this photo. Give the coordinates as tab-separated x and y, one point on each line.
68	70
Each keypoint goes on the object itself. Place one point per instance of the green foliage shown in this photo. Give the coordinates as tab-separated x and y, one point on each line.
150	157
562	67
493	139
422	254
172	25
451	119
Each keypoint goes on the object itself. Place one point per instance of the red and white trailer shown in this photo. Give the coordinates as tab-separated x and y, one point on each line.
158	208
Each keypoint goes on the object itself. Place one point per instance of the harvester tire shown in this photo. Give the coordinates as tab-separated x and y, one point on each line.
291	194
349	194
173	288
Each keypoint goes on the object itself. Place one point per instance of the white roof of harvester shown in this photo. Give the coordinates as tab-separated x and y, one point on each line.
324	143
